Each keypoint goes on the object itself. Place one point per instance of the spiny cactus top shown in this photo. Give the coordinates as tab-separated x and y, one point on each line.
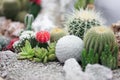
80	21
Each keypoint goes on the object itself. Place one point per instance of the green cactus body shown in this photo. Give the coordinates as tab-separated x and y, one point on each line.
20	16
56	34
97	37
80	4
11	8
90	1
81	21
25	4
28	21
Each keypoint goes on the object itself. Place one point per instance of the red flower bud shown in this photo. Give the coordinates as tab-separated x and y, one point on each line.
38	2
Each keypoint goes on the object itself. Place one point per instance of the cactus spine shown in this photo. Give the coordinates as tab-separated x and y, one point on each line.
97	37
81	21
28	21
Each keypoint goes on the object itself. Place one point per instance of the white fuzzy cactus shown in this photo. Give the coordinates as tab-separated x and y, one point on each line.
69	47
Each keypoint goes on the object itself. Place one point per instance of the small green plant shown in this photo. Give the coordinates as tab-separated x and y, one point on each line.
38	54
109	58
89	58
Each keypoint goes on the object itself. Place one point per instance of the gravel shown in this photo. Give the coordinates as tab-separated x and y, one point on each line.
27	70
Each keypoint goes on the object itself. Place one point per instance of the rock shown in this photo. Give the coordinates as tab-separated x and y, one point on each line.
73	71
7	57
99	72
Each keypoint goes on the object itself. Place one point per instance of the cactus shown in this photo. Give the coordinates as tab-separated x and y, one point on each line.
69	47
25	4
56	34
83	3
28	21
97	37
81	21
11	8
109	58
43	36
89	58
20	16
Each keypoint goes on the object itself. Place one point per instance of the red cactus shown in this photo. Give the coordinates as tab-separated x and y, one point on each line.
43	36
38	2
10	45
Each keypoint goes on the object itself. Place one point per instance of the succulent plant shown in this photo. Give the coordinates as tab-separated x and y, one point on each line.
110	58
89	57
97	37
80	21
69	47
43	36
28	21
56	34
25	4
11	8
83	3
37	54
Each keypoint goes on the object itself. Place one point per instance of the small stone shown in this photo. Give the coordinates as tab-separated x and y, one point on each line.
99	72
73	71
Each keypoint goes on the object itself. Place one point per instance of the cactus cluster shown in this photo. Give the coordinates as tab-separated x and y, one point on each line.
97	37
37	54
89	57
69	46
108	58
56	34
80	21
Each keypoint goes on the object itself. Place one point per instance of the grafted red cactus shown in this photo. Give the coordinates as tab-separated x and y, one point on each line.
43	36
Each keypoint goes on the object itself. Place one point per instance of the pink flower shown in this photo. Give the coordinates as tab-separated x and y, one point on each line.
43	36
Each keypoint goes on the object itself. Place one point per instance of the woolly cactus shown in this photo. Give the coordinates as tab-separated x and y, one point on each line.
97	37
80	21
56	34
69	47
11	8
28	21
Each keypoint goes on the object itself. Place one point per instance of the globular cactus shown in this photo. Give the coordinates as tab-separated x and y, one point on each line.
28	21
80	21
11	8
25	4
97	37
69	47
43	36
56	34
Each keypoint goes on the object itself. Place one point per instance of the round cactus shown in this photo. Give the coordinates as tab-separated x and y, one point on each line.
80	21
43	36
56	34
69	47
97	37
11	8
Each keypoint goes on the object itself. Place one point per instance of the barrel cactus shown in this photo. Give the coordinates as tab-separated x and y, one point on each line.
11	8
69	47
56	34
80	21
97	37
